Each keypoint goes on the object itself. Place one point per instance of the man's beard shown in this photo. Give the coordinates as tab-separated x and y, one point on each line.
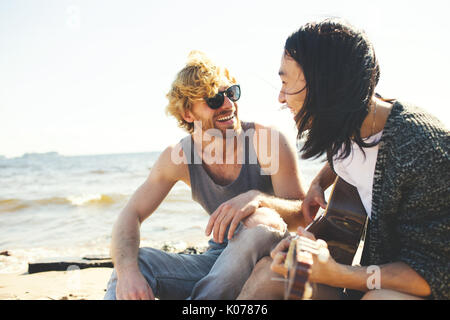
212	128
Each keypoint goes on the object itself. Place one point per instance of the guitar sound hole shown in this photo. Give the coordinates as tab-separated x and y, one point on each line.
347	226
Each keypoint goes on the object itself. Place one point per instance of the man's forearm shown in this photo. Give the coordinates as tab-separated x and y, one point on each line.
289	210
125	243
396	276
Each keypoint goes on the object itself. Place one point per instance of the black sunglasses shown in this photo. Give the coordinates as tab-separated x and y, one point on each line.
233	93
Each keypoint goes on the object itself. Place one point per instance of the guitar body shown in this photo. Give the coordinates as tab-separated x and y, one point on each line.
341	225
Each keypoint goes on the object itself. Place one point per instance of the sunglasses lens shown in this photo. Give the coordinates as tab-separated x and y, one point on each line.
234	93
215	102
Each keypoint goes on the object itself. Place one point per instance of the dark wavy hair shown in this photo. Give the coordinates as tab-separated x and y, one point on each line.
341	73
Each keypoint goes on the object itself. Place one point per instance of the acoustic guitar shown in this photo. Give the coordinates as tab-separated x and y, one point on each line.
298	264
341	225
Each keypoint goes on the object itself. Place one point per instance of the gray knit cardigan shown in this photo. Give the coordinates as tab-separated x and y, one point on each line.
410	218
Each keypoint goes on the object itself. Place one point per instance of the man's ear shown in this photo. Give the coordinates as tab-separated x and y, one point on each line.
188	116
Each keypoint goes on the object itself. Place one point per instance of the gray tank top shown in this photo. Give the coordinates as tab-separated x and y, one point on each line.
211	195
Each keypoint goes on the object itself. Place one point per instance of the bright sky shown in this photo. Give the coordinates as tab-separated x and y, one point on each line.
90	76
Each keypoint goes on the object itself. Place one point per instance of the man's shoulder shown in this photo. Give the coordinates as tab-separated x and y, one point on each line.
274	132
258	126
269	131
273	144
173	156
171	163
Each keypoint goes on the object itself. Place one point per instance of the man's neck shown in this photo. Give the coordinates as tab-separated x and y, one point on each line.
218	149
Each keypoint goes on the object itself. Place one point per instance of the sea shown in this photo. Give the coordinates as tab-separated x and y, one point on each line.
53	206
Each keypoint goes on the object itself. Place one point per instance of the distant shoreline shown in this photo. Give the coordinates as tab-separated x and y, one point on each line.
57	154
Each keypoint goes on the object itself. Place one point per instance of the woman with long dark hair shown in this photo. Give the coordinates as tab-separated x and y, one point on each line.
395	154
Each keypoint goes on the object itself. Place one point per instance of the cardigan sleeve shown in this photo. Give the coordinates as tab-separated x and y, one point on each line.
428	257
423	226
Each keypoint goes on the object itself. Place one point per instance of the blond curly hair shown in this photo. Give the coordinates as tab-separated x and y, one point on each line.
200	78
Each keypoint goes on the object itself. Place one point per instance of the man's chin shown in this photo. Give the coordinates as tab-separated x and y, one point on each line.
219	130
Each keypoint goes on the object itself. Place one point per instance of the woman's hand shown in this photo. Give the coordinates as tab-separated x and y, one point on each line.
314	200
278	254
324	268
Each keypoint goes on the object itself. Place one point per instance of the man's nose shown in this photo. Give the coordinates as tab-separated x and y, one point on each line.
227	103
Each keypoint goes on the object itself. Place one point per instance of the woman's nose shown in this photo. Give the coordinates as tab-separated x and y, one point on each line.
282	97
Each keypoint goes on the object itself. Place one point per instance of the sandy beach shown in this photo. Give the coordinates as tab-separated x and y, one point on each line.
85	284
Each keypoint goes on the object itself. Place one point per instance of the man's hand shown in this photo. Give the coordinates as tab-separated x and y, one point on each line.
230	213
133	286
314	200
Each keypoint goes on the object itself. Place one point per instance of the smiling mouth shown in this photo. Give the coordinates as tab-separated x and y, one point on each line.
287	107
227	118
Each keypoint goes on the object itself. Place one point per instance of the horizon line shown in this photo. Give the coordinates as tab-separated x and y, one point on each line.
56	153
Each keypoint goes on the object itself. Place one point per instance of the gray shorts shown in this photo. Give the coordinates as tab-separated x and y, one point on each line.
219	273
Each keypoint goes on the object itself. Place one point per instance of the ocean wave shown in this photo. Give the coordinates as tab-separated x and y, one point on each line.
13	205
97	199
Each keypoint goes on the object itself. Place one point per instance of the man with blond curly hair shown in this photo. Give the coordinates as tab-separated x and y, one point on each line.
233	169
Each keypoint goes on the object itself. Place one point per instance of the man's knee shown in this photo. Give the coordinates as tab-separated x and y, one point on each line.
257	241
266	217
265	225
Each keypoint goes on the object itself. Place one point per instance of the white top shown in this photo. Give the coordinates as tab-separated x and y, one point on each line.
359	170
